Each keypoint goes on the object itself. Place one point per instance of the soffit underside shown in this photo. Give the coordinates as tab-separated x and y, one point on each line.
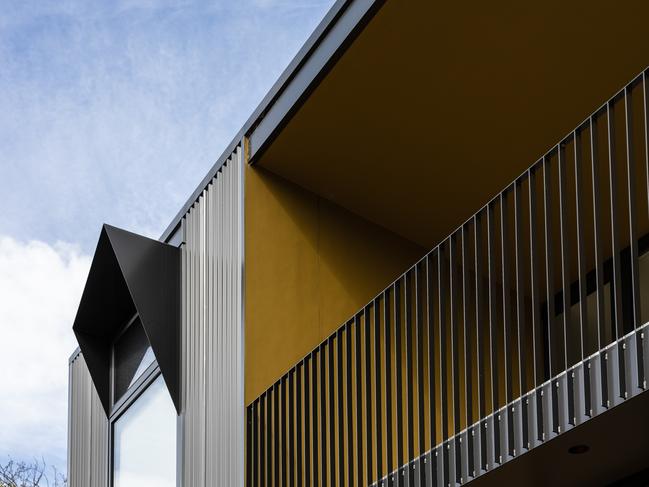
435	107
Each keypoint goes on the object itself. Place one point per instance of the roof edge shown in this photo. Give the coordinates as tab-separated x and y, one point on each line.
320	51
74	355
341	31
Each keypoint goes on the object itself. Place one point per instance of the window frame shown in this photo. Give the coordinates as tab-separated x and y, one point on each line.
131	395
115	404
122	405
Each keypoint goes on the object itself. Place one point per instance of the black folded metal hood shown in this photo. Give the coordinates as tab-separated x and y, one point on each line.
131	274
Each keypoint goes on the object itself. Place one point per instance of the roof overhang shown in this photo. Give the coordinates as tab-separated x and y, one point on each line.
130	274
430	103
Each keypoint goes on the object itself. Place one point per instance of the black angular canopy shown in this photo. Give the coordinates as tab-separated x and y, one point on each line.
130	274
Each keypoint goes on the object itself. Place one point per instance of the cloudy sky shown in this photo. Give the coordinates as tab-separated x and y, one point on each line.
109	112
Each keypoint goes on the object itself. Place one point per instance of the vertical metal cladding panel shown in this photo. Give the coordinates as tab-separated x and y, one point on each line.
213	413
87	430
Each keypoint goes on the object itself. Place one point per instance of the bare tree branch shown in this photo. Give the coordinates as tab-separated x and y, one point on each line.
30	474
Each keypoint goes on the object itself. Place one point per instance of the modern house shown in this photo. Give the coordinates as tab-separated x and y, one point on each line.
423	261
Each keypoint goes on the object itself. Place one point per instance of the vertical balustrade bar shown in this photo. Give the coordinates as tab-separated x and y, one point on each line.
388	385
506	316
377	388
298	424
642	381
633	224
581	263
535	303
323	414
291	428
521	331
466	349
269	437
645	110
350	410
441	288
599	264
479	318
419	360
359	401
409	371
615	245
307	422
493	342
251	454
263	450
341	407
368	391
455	355
276	453
549	286
273	454
257	472
249	445
262	440
566	293
332	409
441	342
430	323
314	414
398	377
282	435
255	443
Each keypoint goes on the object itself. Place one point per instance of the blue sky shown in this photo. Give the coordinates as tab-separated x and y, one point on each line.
109	112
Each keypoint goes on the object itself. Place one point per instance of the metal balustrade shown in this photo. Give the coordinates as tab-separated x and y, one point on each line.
523	323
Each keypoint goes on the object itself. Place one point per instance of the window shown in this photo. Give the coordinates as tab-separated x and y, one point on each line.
132	355
144	441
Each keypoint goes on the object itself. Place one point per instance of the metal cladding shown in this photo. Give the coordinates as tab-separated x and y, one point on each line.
87	430
212	440
130	274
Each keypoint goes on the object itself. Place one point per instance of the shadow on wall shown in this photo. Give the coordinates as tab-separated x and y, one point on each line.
310	265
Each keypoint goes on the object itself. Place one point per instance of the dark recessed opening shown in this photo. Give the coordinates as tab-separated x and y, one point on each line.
578	449
132	355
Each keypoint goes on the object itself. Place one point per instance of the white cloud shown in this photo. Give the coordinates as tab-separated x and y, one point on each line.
40	288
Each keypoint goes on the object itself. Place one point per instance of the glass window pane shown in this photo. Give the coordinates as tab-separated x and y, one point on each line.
145	441
133	355
146	361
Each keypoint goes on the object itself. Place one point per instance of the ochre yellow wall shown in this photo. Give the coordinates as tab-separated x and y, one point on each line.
309	266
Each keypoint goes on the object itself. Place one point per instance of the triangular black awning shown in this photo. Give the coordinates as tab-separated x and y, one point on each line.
130	274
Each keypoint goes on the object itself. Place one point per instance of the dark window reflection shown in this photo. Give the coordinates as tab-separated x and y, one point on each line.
133	355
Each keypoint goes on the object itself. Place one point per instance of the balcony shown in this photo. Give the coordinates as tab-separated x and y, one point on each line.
516	336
